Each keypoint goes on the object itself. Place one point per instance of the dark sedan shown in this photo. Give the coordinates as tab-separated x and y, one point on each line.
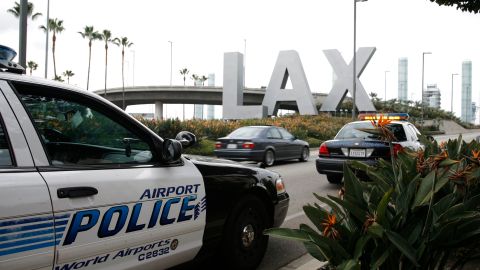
351	143
265	144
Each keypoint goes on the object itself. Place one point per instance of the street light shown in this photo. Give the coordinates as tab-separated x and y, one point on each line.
355	55
171	61
386	71
46	38
423	72
451	98
244	59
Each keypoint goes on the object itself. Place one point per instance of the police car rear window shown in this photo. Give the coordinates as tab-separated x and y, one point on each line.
5	158
353	131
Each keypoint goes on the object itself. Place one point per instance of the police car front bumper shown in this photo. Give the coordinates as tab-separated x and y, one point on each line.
280	209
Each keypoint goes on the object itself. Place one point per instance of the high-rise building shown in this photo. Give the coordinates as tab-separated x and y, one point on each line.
466	113
211	108
474	113
432	96
403	79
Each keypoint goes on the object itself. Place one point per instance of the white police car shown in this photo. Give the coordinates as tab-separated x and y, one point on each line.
85	186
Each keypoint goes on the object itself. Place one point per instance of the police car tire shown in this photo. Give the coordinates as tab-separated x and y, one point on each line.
334	178
249	211
305	154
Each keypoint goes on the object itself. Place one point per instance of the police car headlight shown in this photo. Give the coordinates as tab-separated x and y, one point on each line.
280	186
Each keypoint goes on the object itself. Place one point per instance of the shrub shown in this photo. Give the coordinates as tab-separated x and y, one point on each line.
413	214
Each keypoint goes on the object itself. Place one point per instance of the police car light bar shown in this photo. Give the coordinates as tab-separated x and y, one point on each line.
387	116
6	56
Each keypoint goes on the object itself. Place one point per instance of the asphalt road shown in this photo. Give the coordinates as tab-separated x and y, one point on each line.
301	180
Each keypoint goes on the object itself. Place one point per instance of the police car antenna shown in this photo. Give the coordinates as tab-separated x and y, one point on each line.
6	64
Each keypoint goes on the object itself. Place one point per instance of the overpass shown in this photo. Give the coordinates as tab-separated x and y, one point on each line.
208	95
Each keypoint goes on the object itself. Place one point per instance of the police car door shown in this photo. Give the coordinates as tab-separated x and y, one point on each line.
27	237
126	209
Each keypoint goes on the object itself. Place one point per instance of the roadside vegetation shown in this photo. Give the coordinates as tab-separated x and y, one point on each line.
419	210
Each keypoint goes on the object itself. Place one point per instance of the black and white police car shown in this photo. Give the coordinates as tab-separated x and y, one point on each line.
83	185
351	143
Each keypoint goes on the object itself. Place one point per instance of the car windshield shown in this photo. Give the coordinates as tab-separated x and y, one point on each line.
353	131
246	132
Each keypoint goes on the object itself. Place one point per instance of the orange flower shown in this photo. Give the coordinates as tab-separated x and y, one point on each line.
476	154
460	175
370	219
382	126
329	227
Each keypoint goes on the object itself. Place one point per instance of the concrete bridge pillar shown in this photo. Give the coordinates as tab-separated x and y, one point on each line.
158	110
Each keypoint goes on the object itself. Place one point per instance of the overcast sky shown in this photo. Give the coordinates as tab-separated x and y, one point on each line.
202	31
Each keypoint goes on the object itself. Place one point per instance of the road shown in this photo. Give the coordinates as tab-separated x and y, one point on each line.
301	180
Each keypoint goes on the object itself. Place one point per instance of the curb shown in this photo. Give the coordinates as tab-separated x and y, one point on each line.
306	262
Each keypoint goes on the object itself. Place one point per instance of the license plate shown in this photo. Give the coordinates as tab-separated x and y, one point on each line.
231	146
357	153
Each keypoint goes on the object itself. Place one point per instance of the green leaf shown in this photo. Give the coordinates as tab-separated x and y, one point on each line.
401	244
353	188
316	216
448	162
377	262
332	205
285	233
360	246
426	189
349	265
316	251
382	207
376	229
353	209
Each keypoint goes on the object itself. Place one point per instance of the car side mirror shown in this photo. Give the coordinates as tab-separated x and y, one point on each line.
171	150
186	138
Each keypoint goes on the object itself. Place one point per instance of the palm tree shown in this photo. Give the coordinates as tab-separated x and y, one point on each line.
16	11
68	74
106	36
195	78
91	35
58	78
56	27
203	79
32	66
184	72
124	42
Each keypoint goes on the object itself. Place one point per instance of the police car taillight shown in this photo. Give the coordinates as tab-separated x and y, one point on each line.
323	150
385	116
218	145
396	149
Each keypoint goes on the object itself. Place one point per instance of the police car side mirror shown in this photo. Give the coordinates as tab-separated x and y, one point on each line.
171	150
186	138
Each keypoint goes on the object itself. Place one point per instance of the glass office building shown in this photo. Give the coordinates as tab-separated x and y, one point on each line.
432	96
403	79
466	113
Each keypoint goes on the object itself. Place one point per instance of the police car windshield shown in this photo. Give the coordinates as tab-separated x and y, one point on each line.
353	131
246	132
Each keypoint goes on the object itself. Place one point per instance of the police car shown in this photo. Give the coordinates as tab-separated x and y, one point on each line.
83	185
351	143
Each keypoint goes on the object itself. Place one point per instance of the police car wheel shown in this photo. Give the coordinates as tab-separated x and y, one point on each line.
244	243
305	154
334	178
269	158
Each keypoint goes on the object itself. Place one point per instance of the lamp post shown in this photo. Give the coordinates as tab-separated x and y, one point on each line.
46	38
355	55
386	71
451	98
171	61
423	74
244	59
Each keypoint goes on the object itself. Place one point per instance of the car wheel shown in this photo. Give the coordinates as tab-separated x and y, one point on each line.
305	154
244	243
334	178
269	158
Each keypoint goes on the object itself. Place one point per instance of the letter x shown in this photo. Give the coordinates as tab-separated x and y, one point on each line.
344	82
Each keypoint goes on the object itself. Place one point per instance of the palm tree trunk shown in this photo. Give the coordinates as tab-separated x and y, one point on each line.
106	60
123	81
89	59
54	38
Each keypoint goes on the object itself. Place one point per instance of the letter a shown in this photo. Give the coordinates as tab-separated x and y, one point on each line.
289	65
